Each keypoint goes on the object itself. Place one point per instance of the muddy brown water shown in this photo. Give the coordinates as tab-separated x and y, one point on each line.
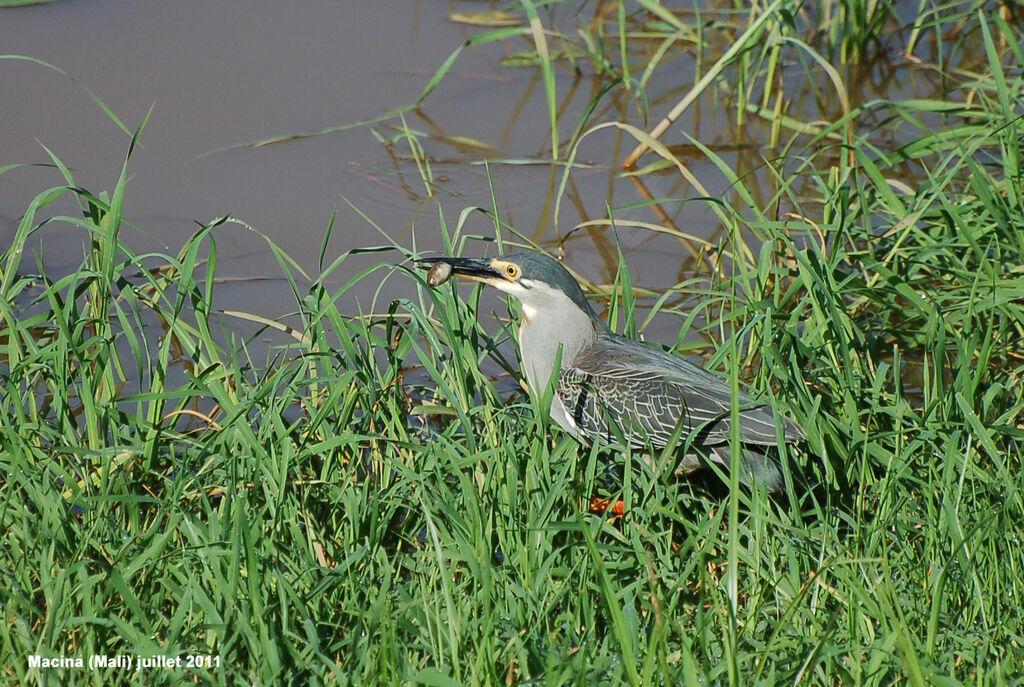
219	75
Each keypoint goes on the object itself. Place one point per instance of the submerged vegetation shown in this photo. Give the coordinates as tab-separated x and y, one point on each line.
365	506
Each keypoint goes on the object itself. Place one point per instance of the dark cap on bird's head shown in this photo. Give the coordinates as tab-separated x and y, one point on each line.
529	276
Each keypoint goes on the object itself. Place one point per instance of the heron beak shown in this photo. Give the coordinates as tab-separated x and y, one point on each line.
477	269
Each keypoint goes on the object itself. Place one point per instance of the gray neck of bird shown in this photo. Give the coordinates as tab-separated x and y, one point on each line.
544	336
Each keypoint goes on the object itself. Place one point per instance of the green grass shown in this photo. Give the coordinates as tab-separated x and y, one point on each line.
364	506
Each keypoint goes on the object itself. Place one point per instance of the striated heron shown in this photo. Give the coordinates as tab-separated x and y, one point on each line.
609	388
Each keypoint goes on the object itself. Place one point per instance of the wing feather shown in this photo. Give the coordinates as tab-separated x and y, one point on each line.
648	392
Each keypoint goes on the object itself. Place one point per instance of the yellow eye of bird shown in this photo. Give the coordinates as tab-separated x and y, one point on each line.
512	271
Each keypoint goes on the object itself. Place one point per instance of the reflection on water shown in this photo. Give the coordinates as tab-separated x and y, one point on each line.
481	110
222	75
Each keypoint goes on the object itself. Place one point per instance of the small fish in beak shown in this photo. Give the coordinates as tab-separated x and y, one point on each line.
439	274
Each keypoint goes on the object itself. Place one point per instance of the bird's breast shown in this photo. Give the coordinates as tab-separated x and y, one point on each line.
545	340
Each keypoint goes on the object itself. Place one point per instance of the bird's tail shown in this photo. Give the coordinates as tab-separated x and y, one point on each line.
755	468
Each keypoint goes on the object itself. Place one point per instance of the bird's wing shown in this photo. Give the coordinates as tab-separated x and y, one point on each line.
649	392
